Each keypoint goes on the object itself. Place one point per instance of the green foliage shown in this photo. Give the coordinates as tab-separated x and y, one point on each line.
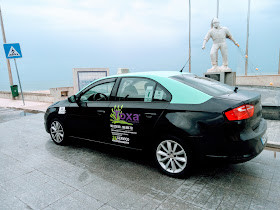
116	119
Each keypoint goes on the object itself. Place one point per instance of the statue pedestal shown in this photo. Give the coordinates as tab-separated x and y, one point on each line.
215	69
228	78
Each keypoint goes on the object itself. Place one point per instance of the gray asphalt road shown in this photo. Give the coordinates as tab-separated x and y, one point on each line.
37	174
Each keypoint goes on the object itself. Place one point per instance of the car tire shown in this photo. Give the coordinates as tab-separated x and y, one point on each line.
57	132
173	157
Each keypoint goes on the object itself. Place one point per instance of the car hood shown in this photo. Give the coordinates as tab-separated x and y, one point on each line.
59	103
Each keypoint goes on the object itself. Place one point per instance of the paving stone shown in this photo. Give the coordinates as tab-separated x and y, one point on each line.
48	208
185	205
211	205
4	207
225	206
34	202
106	207
243	202
272	205
169	203
128	198
68	203
257	204
86	199
103	190
201	199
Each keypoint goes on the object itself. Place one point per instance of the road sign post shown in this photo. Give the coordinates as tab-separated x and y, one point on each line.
13	51
19	82
4	41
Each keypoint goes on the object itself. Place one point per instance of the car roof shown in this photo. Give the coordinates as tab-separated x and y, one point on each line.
148	74
181	93
152	73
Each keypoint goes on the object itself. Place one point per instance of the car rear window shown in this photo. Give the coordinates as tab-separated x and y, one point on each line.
204	84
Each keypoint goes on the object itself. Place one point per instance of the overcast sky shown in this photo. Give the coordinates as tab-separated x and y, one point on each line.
142	35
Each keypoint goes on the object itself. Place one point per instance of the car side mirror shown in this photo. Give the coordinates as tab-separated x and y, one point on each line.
72	99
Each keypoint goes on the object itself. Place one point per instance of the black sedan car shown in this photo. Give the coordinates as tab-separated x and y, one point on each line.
178	116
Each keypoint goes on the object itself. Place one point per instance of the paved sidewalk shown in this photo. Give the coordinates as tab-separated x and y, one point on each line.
36	174
29	105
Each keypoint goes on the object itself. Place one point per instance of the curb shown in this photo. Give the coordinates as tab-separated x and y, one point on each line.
27	110
271	112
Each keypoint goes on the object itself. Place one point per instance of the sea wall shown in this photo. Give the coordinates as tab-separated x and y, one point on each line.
54	94
263	80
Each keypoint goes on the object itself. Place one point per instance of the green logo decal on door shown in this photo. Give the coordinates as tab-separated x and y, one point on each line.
117	116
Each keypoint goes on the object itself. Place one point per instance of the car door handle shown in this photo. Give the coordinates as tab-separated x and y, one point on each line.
150	115
100	112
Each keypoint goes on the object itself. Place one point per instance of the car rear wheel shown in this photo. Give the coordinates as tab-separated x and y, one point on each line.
173	157
57	132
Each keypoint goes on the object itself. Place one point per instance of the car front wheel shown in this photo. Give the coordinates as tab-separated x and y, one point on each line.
173	157
57	132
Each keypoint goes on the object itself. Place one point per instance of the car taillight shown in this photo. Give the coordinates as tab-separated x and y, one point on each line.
240	113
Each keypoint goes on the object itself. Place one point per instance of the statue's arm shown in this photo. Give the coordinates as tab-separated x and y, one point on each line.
206	38
229	36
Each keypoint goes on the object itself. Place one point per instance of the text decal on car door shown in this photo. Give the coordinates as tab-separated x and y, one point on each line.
122	125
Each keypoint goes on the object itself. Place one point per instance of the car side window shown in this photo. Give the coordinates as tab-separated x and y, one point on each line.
100	92
136	89
161	94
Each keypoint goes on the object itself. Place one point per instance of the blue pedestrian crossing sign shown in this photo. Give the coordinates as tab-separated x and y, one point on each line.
12	50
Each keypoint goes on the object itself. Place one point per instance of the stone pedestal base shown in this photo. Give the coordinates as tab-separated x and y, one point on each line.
228	78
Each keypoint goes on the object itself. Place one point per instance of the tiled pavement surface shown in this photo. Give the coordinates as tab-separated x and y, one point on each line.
37	174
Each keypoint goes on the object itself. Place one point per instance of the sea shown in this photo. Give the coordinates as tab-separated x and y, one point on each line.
46	85
37	85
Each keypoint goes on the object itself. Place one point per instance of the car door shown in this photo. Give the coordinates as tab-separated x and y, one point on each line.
89	117
135	111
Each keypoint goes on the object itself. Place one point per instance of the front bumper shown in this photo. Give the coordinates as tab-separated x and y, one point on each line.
46	122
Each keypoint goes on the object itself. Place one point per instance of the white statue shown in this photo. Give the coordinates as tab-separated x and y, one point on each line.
219	35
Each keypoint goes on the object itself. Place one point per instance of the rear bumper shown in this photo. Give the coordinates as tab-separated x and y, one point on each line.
253	150
241	147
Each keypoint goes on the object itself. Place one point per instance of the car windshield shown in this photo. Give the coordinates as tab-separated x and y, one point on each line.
204	84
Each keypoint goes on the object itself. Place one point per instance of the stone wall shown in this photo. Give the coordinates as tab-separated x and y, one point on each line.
61	93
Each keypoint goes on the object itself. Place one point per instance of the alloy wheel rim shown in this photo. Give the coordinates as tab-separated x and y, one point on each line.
57	132
171	156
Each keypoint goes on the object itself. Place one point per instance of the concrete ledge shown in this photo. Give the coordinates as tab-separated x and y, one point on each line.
29	96
271	112
270	95
262	80
273	144
48	96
